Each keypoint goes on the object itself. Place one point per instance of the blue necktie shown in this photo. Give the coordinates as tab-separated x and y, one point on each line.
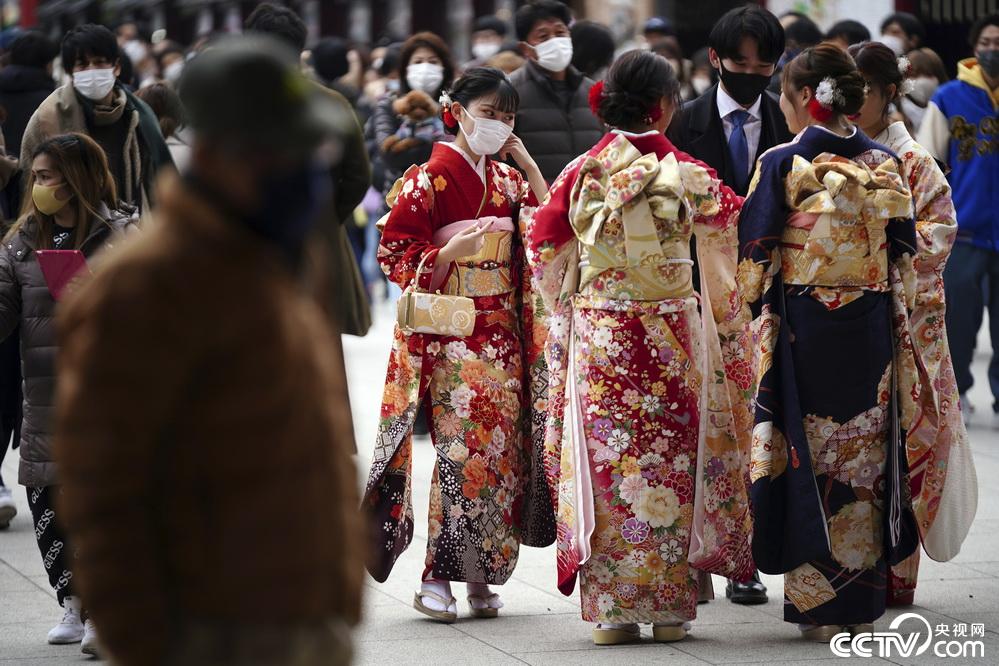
738	148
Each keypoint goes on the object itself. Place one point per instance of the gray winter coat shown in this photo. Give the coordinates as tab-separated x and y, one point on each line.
25	300
554	134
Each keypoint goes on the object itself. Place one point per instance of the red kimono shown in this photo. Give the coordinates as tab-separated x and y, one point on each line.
485	419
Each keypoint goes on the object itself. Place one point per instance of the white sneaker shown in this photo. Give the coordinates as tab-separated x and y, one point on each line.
967	410
7	507
70	630
90	645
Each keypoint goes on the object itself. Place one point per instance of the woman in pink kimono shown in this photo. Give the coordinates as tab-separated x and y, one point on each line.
642	443
453	229
937	448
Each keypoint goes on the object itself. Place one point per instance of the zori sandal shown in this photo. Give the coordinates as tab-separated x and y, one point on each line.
616	636
488	608
447	616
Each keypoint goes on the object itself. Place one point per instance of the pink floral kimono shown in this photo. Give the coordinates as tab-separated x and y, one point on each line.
642	446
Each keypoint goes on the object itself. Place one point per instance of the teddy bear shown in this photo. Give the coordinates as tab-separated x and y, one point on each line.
420	122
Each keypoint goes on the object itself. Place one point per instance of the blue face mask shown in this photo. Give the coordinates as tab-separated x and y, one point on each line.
290	204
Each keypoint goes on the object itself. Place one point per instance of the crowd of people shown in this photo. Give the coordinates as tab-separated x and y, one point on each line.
679	317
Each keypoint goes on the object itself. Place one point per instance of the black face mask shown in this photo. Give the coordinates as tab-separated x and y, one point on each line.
744	88
989	62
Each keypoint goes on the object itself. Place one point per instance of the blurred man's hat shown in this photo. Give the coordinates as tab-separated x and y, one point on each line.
250	89
660	25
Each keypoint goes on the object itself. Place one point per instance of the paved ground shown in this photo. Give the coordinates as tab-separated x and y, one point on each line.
539	625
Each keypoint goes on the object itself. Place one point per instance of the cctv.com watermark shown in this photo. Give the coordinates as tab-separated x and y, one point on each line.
959	640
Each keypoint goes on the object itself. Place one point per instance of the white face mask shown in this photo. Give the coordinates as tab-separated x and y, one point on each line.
894	43
485	50
555	54
94	84
173	71
425	76
700	84
923	88
488	135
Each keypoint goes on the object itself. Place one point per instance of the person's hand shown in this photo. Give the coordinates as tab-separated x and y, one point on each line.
464	243
514	148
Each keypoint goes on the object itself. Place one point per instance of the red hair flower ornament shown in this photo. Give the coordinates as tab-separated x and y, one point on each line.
596	96
446	115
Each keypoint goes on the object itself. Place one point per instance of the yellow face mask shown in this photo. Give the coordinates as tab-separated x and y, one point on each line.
44	197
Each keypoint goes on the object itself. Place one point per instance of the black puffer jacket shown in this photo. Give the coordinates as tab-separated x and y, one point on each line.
554	134
25	300
22	90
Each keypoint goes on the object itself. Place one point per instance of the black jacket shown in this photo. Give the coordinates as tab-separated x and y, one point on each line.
698	131
22	90
554	134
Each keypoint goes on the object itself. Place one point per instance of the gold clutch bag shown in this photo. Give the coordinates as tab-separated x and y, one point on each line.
438	314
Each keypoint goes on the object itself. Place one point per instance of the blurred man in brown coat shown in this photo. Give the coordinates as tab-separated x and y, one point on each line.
207	483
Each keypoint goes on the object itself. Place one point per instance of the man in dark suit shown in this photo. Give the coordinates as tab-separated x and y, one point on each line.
731	125
736	120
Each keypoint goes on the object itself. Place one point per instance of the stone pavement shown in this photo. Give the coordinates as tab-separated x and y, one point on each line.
538	624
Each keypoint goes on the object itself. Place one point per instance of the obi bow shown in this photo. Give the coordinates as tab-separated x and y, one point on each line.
622	185
846	198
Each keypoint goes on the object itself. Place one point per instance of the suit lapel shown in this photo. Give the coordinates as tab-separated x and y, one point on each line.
708	136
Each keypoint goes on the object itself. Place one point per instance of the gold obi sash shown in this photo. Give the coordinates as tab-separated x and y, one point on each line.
845	245
488	272
630	216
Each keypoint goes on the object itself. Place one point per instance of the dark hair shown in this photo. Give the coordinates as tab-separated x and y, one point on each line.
87	41
879	66
434	43
910	25
280	22
979	27
479	82
172	48
926	61
816	63
329	57
167	106
592	46
854	32
491	22
635	83
539	10
803	32
748	21
391	59
33	49
797	15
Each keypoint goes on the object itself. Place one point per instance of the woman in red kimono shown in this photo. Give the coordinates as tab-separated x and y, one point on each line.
453	229
642	440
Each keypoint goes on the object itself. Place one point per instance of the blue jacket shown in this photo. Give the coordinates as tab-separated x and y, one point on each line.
961	129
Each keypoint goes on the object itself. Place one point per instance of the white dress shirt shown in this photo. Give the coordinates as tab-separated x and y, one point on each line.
479	168
753	126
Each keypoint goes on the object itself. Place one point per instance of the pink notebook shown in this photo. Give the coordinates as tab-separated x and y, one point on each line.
59	268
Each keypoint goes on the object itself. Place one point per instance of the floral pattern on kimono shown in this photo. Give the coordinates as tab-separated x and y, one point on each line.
938	431
641	444
827	242
473	388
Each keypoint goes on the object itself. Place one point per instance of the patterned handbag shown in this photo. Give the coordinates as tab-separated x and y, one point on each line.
436	313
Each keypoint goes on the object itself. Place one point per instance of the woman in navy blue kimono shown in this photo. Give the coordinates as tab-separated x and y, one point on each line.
826	245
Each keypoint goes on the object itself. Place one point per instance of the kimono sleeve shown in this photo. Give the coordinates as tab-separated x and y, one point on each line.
408	233
761	225
711	202
936	219
551	238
